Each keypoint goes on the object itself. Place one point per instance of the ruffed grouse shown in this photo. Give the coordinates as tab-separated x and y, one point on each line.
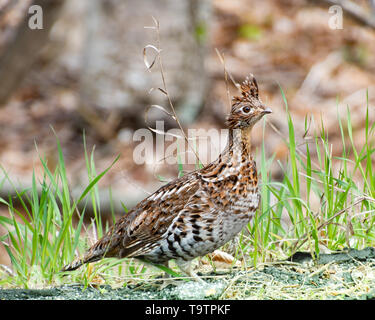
199	212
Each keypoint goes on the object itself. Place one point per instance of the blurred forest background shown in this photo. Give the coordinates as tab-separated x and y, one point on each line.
84	71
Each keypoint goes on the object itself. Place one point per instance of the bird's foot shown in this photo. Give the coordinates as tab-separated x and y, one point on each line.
186	267
168	281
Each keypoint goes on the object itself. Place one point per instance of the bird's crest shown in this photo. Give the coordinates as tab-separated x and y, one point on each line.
249	90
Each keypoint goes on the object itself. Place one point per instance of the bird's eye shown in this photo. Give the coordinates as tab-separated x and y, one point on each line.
246	109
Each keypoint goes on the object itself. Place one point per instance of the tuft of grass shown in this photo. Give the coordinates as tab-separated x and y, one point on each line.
329	202
41	232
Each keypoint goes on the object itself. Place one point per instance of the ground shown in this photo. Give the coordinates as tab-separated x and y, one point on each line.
345	275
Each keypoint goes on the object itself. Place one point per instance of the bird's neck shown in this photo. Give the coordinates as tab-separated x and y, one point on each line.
239	144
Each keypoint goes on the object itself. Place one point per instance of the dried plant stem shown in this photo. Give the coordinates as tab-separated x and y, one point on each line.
222	60
165	90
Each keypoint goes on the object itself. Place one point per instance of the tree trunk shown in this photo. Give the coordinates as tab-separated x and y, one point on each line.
22	49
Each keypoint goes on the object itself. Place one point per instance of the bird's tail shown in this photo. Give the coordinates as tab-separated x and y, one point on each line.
105	247
75	264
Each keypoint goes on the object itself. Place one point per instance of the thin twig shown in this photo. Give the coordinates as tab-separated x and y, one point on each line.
226	73
165	90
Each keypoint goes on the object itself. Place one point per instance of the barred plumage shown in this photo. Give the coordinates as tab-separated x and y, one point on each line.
198	213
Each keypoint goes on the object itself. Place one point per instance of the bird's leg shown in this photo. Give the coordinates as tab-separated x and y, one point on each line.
167	278
166	274
186	267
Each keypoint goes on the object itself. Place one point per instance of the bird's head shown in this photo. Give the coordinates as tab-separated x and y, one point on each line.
247	109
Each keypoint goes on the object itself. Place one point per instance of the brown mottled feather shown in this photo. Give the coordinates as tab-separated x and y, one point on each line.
140	229
196	214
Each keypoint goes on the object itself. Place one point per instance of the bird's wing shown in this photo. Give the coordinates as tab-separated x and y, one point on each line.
138	232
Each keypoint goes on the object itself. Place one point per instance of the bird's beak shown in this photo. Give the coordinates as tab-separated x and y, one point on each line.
267	110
